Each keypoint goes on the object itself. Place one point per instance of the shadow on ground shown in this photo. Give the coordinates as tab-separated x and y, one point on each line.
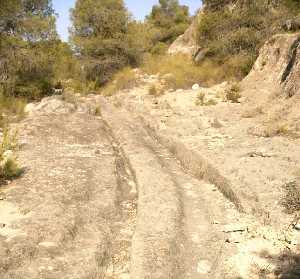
287	265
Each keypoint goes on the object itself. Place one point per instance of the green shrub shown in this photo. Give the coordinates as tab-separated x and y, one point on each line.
160	49
10	169
238	33
106	39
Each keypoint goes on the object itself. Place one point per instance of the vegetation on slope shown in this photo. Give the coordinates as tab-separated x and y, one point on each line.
168	20
232	32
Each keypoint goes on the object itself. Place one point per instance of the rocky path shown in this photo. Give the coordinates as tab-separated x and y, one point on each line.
103	198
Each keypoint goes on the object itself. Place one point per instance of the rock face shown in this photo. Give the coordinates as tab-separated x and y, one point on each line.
186	43
274	85
278	65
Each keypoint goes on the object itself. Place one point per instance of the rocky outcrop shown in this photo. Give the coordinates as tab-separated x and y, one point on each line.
278	65
186	43
274	85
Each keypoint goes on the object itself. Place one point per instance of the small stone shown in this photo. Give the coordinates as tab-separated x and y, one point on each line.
2	225
196	86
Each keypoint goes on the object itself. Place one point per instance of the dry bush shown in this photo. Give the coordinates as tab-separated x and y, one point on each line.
123	80
211	102
98	111
155	91
9	167
200	99
288	265
291	200
233	93
273	129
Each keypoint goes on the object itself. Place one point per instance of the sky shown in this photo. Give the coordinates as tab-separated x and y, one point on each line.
139	8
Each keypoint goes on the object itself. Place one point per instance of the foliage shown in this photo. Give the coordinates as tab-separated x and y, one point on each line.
238	32
28	48
105	38
169	20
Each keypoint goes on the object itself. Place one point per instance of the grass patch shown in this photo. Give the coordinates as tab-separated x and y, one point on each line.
179	71
200	100
279	129
11	109
123	80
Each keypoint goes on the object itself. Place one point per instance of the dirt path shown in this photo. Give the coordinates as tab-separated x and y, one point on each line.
103	198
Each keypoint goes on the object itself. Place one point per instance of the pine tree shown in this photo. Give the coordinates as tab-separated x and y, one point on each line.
101	38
